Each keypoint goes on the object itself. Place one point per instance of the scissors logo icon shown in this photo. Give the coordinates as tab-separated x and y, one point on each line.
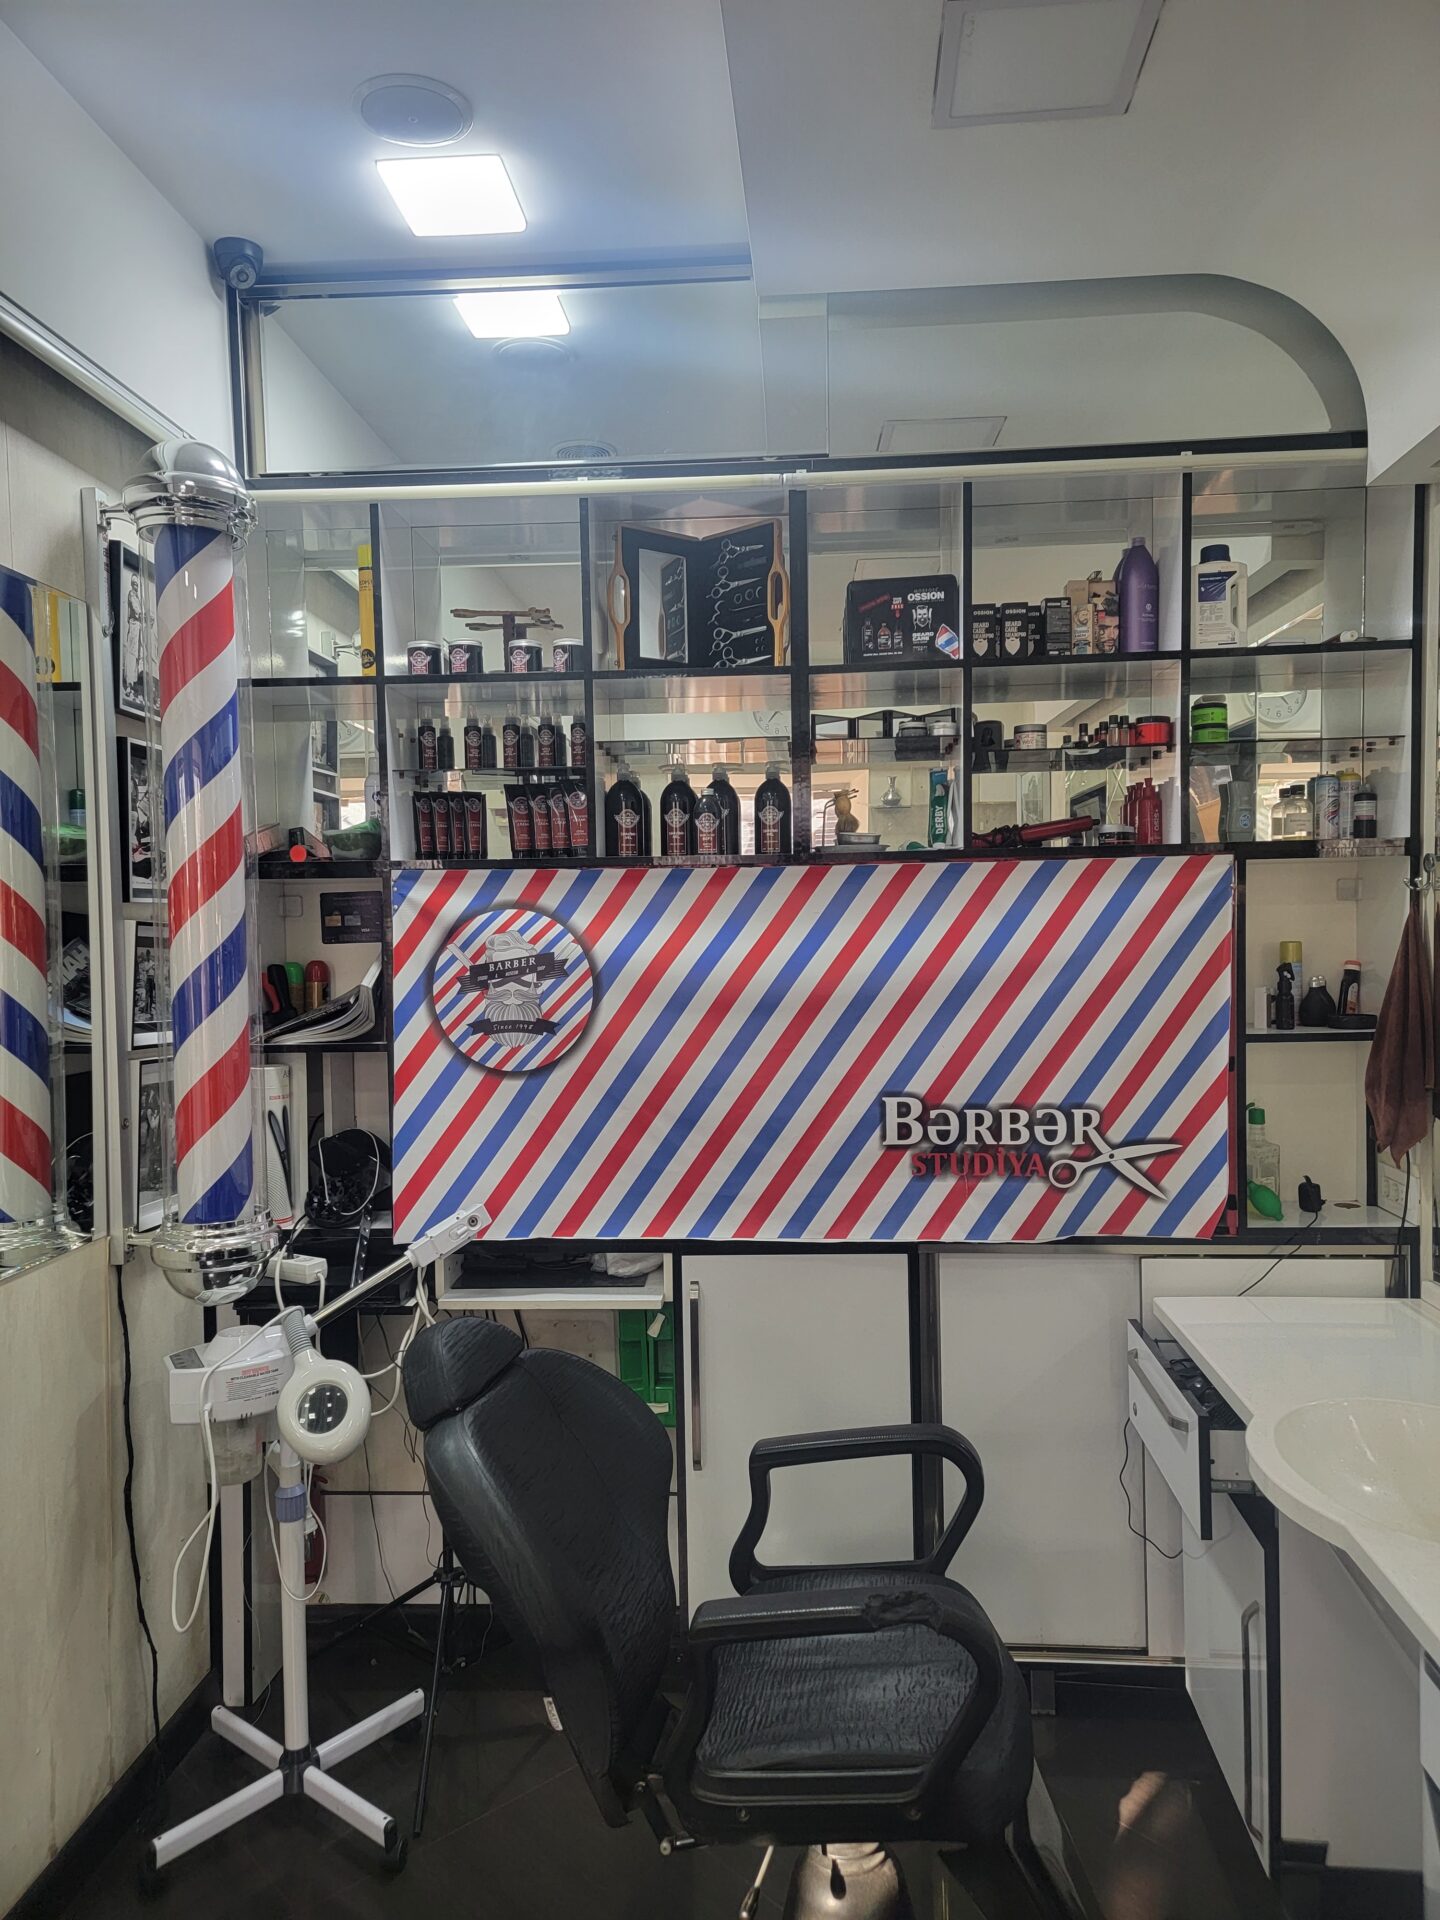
1069	1170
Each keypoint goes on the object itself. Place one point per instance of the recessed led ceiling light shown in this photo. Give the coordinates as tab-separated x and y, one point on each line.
513	313
1039	59
454	193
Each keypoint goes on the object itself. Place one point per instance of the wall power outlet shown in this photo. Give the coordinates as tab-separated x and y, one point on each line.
1390	1185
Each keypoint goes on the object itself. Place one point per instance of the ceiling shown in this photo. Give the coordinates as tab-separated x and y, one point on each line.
1291	144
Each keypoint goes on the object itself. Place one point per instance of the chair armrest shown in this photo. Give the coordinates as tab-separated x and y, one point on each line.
825	1612
856	1443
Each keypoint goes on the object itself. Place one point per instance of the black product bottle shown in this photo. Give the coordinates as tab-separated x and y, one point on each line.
487	745
473	761
772	816
545	742
527	746
627	816
729	807
579	743
1284	999
426	749
445	747
709	824
510	734
677	816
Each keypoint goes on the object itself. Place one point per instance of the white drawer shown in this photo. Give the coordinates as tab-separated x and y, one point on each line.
1173	1429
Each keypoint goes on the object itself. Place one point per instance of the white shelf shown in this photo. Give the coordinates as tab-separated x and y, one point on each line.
540	1299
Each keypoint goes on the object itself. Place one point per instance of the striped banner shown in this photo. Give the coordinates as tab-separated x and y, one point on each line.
966	1050
25	1143
199	664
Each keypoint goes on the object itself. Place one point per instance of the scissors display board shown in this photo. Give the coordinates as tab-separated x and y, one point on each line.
961	1050
716	602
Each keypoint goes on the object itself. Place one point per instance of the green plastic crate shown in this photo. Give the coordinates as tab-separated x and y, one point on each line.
647	1362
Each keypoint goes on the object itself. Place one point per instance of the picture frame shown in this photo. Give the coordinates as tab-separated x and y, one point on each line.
132	640
147	1129
140	842
145	984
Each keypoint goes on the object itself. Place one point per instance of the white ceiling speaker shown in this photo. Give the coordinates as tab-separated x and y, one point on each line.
412	111
1039	59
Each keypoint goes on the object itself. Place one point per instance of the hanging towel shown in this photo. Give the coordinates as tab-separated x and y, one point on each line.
1400	1074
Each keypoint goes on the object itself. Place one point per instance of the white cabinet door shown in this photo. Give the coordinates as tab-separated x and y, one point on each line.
1226	1660
793	1343
1032	1370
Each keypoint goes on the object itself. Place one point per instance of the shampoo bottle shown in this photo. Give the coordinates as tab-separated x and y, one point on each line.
1217	606
772	816
677	816
1137	588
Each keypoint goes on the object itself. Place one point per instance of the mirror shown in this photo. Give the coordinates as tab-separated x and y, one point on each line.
47	1178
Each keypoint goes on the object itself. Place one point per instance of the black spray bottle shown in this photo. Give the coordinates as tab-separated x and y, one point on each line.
730	809
772	816
677	816
627	816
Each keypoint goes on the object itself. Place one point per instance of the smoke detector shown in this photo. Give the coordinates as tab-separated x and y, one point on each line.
410	110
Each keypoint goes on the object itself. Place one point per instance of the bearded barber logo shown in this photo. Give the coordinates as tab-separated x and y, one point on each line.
513	989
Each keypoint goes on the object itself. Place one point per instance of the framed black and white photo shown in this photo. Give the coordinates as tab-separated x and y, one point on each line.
131	635
325	746
147	1143
138	840
144	974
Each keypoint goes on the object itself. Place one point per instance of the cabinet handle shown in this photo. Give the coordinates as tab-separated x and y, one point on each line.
697	1447
1251	1613
1170	1419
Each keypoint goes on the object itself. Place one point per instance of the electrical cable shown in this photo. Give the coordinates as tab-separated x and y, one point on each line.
1139	1532
128	1502
1285	1254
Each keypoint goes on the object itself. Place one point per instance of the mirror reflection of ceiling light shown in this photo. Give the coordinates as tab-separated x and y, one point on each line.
513	313
453	193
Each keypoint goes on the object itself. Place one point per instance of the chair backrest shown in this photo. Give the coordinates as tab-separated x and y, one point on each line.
552	1482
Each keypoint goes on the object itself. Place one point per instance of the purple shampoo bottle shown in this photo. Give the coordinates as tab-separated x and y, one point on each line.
1137	588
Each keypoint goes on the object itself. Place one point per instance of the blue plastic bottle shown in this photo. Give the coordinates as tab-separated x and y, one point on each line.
1137	588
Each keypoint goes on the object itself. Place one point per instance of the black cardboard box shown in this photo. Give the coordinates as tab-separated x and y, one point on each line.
903	622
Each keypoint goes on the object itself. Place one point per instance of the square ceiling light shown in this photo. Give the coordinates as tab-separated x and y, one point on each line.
1039	59
453	193
513	313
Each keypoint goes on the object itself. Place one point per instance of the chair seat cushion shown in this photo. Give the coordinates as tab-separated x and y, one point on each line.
869	1701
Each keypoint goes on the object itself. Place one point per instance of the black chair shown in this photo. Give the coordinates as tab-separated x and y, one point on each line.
834	1708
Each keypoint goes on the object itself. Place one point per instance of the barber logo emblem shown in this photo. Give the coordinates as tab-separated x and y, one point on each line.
513	990
1060	1145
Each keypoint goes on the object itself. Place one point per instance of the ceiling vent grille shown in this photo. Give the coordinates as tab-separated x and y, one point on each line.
1039	59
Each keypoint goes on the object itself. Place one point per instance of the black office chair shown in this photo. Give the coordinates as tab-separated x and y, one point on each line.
835	1708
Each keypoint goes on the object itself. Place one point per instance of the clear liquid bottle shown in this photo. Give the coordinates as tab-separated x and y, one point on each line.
1262	1159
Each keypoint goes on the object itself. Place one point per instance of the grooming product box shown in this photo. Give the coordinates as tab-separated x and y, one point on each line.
1094	615
984	631
911	622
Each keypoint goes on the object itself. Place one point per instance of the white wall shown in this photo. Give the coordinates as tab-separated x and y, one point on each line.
74	1678
309	425
94	252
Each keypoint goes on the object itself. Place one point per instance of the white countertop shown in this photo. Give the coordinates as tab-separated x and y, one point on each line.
1269	1356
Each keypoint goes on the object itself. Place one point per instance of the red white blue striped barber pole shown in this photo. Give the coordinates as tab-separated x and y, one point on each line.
25	1146
199	661
747	1023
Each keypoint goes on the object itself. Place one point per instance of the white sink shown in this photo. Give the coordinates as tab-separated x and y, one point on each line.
1379	1459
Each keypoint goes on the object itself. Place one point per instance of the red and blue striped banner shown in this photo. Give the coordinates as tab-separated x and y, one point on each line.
25	1142
960	1050
199	661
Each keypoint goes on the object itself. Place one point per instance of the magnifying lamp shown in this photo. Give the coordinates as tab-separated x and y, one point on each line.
324	1408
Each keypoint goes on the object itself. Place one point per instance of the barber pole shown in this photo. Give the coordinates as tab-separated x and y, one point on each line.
191	509
199	663
25	1146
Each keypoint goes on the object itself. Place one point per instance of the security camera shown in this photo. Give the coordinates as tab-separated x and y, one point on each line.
238	262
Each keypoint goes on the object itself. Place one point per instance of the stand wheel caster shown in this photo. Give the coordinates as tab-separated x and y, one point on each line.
394	1857
149	1879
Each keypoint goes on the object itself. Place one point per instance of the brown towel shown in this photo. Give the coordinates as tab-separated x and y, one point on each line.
1400	1074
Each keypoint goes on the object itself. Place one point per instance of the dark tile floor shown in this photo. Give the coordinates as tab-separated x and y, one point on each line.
512	1834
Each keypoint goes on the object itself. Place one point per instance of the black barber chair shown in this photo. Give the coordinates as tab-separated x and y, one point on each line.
834	1708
